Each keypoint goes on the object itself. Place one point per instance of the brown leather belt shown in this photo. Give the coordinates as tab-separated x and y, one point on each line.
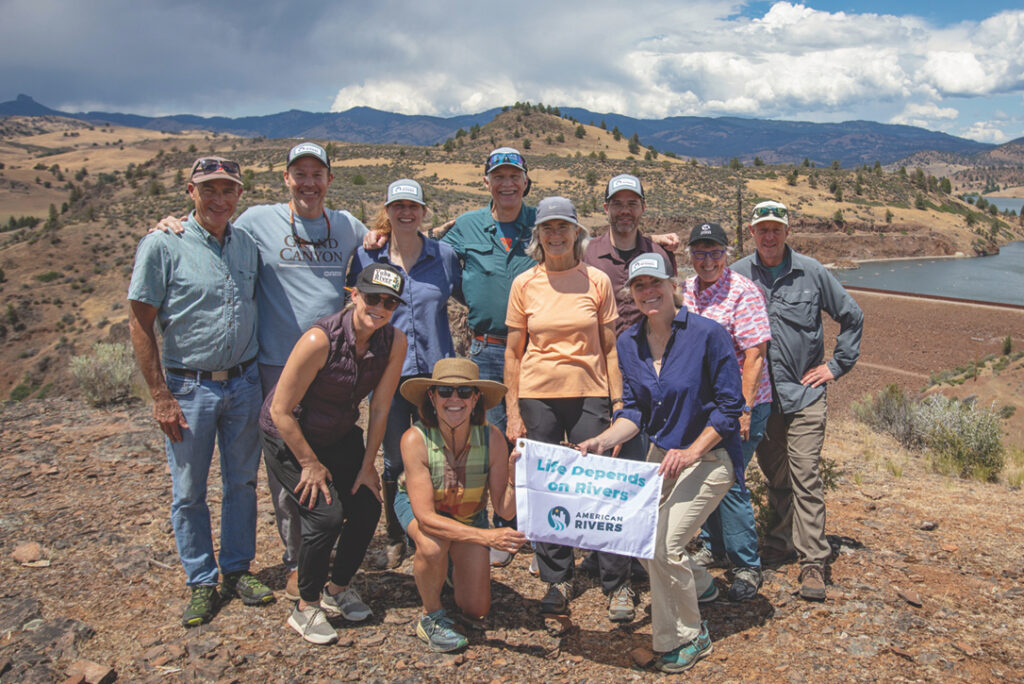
218	376
490	339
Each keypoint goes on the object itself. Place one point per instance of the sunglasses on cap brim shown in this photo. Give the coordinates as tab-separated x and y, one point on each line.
213	165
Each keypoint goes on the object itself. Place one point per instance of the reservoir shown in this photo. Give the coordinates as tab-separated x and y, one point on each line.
998	278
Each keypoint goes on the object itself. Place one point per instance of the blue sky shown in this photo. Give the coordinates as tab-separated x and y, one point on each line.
952	67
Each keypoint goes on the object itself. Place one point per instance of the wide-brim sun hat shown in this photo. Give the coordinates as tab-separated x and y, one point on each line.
454	373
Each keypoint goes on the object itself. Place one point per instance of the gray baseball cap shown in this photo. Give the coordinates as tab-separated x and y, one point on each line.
551	208
308	149
649	264
624	181
405	189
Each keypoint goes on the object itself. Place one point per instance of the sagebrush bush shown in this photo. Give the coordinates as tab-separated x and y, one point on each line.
105	375
965	439
892	412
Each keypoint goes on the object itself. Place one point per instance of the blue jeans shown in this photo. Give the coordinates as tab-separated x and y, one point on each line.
227	413
730	529
490	358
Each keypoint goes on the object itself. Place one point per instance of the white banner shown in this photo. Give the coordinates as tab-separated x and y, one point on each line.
589	502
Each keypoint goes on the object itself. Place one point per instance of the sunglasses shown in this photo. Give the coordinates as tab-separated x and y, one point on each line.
779	212
503	158
445	391
387	301
212	165
701	255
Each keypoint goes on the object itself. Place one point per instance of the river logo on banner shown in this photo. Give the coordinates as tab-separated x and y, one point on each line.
558	518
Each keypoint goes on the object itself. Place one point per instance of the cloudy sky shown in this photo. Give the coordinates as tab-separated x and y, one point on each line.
957	67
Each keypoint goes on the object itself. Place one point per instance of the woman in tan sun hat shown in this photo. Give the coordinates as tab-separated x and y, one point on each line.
453	458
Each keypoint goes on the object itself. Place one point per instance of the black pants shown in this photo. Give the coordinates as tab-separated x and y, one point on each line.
574	419
350	519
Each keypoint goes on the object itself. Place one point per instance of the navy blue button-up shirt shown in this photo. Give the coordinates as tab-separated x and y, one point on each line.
699	385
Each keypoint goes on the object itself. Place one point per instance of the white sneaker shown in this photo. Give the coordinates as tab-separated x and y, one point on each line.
312	624
346	603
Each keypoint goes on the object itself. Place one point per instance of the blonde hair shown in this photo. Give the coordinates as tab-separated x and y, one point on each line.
536	251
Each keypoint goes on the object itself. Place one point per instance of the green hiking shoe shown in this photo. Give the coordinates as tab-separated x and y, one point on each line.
437	631
687	655
245	586
201	606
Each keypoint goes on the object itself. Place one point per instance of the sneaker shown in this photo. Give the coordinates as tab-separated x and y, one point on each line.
346	603
535	566
437	631
710	595
620	604
201	605
687	655
291	587
745	583
395	554
311	623
556	601
705	558
812	582
500	559
245	586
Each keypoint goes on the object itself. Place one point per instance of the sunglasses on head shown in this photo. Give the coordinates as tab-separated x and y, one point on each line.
503	158
779	212
701	255
387	301
212	165
445	391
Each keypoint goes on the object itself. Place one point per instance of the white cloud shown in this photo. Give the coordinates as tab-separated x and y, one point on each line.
926	115
986	131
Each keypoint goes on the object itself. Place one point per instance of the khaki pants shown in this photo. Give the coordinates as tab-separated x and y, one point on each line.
789	456
676	582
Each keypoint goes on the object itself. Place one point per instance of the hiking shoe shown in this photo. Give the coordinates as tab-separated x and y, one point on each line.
710	595
395	554
311	623
291	587
245	586
556	601
345	603
812	582
705	558
201	605
687	655
500	559
620	604
437	631
745	583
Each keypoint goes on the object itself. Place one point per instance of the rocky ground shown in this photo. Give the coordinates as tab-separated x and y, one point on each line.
926	585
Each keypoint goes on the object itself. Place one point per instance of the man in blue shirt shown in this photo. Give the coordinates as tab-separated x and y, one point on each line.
200	286
797	289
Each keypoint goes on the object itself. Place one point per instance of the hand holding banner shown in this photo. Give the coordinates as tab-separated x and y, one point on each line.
589	502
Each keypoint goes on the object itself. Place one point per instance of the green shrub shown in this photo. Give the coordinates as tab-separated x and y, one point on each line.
965	440
889	411
1007	343
21	392
105	375
47	277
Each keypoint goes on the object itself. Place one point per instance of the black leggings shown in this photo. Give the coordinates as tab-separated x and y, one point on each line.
350	519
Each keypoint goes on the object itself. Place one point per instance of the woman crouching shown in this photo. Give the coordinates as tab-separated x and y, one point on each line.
453	458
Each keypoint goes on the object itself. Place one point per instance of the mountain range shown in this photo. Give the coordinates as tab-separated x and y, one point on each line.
710	139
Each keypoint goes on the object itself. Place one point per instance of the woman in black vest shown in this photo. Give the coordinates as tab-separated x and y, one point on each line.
312	443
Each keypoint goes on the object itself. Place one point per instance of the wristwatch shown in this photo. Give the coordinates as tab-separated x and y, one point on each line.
747	408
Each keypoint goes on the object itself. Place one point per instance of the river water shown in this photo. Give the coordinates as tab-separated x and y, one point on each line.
998	278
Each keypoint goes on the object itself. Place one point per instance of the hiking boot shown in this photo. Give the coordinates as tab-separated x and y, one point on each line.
707	559
311	623
620	604
345	603
437	631
710	595
556	601
291	587
395	554
500	559
745	583
812	582
686	656
773	559
201	605
245	586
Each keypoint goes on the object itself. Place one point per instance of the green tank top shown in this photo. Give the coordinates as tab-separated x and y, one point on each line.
460	487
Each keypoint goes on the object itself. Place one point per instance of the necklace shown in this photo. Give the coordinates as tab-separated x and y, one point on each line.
302	241
456	457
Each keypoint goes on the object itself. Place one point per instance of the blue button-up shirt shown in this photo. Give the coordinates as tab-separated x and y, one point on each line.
424	317
205	295
699	385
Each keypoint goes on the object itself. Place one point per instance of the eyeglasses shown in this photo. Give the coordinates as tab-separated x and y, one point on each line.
503	158
212	165
445	391
387	301
779	212
701	255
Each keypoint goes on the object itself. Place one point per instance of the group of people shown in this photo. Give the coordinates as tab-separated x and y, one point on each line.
277	325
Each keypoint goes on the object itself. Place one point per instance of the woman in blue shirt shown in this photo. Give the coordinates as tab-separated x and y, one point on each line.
432	276
681	385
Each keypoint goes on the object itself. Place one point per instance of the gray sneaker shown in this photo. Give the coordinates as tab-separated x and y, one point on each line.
437	631
312	624
745	584
704	557
346	603
556	600
710	595
620	604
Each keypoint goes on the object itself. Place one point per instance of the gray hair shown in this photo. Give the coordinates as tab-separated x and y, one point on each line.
535	250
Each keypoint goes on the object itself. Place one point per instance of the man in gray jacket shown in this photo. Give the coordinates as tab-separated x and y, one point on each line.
797	289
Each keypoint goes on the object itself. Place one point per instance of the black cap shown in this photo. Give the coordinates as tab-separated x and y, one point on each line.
381	279
708	231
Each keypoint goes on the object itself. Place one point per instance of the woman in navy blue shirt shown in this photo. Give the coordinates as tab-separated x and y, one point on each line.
681	385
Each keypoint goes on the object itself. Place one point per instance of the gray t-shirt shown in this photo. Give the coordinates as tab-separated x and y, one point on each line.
298	283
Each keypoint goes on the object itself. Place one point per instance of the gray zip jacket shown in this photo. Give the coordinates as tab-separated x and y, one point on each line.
795	302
